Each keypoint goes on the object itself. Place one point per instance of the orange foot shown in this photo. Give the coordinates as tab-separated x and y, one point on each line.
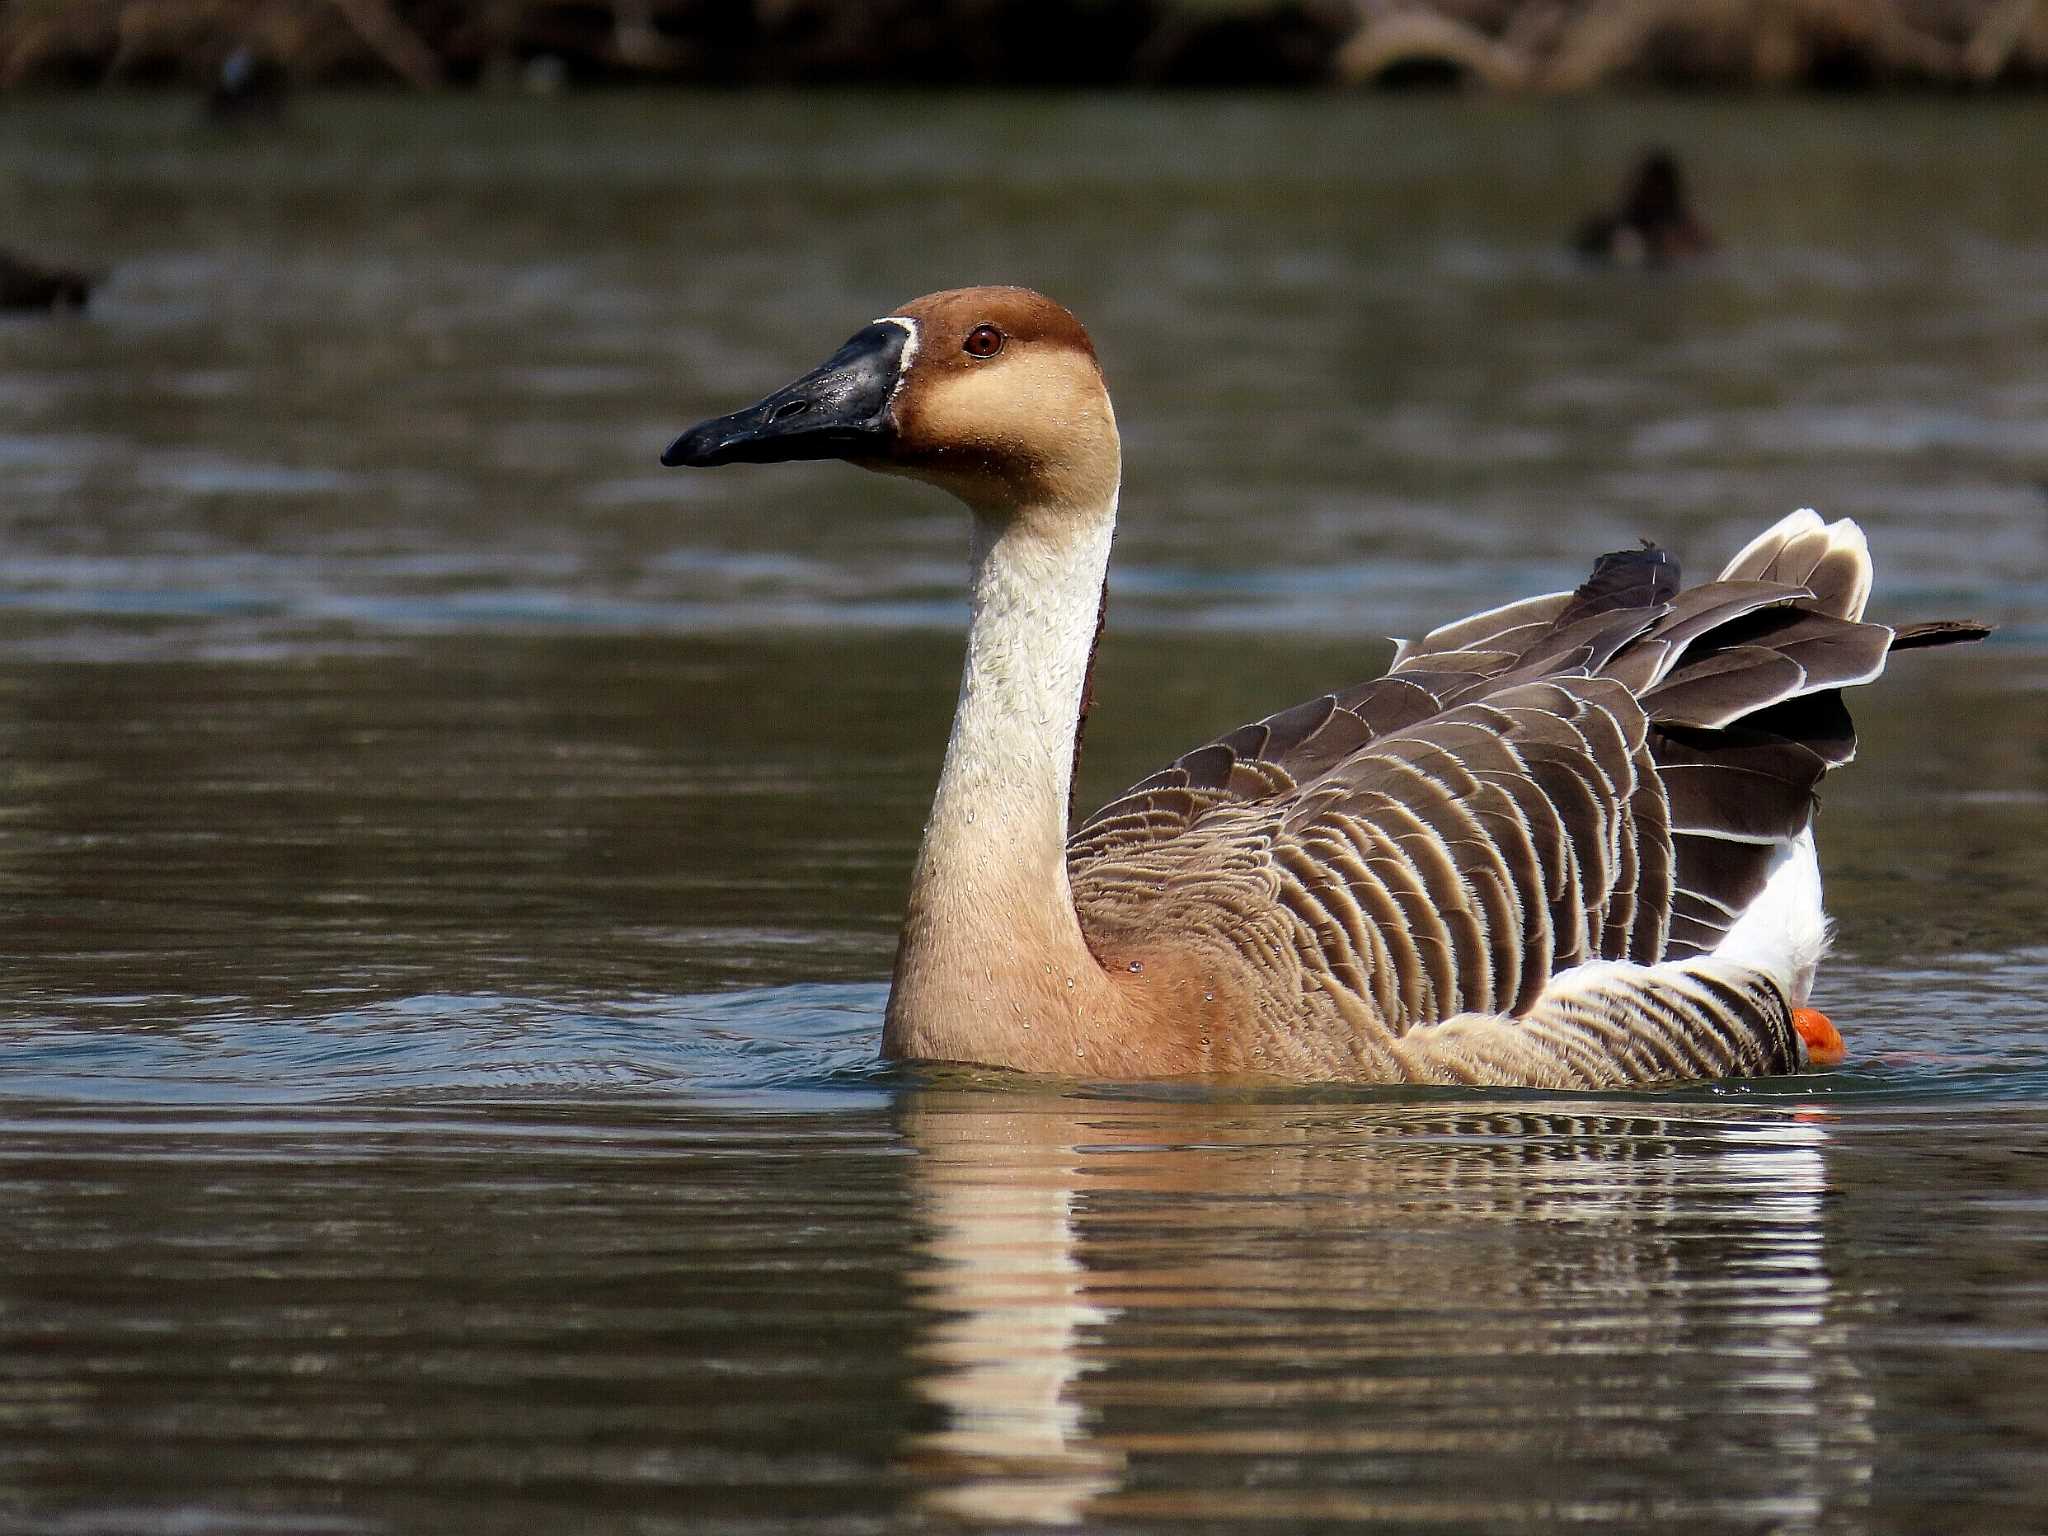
1824	1046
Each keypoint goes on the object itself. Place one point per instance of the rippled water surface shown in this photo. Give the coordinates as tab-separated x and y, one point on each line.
449	867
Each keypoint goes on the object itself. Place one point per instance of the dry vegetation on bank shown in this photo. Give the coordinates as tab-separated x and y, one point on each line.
1509	45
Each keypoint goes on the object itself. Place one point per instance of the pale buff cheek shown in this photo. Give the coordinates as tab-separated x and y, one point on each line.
1040	417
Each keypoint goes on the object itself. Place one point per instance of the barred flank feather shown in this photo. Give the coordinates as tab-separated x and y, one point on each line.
1512	858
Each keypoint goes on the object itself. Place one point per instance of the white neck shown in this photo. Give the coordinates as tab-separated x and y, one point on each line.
990	895
1009	764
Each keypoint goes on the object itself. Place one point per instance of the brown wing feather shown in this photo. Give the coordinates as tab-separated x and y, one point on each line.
1601	774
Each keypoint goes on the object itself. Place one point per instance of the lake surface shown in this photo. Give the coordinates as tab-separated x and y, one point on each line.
449	866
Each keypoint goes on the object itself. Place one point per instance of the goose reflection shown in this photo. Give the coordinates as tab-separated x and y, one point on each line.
1408	1312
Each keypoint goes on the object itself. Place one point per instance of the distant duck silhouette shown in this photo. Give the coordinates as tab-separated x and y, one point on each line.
1653	226
250	88
26	284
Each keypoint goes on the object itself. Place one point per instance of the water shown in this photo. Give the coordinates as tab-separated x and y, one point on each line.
449	866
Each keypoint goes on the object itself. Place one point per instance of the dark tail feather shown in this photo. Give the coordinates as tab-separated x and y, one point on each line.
1911	637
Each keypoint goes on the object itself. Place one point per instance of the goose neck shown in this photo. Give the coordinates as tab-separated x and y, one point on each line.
991	913
1036	604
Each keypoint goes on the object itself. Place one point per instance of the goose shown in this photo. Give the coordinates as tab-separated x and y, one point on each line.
1565	843
1652	226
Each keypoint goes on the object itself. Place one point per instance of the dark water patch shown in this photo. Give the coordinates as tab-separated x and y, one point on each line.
1003	1308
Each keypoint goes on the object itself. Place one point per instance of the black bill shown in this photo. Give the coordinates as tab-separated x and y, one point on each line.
838	410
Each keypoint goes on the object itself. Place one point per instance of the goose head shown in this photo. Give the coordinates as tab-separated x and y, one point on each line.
993	394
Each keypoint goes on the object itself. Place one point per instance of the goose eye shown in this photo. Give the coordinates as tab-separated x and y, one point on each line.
983	341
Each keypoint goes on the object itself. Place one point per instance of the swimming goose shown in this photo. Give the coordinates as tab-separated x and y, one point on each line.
1563	843
1652	226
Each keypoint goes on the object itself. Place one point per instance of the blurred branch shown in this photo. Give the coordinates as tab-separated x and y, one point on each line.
393	41
1410	37
1500	45
1999	35
1554	47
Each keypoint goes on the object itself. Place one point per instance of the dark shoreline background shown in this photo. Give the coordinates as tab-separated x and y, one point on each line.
1544	46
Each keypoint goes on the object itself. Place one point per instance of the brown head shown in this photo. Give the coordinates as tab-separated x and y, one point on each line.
992	393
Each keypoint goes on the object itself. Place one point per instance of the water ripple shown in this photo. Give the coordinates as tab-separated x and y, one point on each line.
786	1042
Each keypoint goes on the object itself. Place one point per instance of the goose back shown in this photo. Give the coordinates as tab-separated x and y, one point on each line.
1608	774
